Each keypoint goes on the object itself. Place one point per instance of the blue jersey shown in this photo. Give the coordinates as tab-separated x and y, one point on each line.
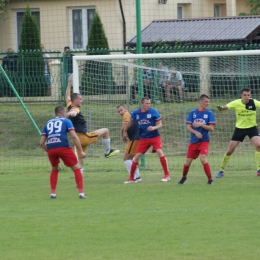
56	132
146	119
206	117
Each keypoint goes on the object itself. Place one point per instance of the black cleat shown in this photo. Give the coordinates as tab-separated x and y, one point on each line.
182	180
211	182
53	196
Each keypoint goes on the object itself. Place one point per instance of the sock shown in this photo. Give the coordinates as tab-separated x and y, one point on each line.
224	162
133	168
82	170
128	164
106	143
207	170
257	159
185	171
53	180
164	164
79	180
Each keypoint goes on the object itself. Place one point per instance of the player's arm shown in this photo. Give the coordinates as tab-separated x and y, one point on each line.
193	131
42	142
222	108
127	127
206	127
76	142
68	89
157	127
123	131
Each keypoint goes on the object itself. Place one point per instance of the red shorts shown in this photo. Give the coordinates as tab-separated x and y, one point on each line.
67	155
195	149
146	143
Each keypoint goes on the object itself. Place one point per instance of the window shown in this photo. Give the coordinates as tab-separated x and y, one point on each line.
81	21
217	10
19	20
180	11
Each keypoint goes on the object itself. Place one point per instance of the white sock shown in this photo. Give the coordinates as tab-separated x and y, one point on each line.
82	194
106	143
128	164
82	170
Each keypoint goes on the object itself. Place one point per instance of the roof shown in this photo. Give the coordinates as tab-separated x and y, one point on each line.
221	30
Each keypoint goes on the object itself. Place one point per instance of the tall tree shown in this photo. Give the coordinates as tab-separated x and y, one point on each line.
97	78
3	4
255	8
31	59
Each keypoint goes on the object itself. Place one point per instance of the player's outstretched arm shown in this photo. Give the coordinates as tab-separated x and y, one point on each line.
68	89
222	108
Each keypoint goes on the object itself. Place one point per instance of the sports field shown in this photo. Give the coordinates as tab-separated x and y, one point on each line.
147	220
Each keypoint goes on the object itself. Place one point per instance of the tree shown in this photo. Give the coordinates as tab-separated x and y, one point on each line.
97	78
255	8
31	59
3	4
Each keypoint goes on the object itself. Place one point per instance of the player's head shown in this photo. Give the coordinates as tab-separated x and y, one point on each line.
145	103
121	109
76	99
204	101
245	94
60	111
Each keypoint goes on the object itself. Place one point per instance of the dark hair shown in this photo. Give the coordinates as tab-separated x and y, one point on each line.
143	99
245	90
203	96
74	96
59	110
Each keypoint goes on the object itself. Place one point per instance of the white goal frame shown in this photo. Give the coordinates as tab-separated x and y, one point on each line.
152	56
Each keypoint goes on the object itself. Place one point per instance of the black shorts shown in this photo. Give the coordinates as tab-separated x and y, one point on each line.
240	134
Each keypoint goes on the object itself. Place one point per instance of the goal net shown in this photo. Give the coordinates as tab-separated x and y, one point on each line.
174	82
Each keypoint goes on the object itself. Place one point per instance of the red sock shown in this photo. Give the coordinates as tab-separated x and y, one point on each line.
207	170
53	180
133	168
185	171
164	164
79	180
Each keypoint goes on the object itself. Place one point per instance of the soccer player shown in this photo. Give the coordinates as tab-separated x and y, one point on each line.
73	103
58	147
246	125
149	121
200	122
131	138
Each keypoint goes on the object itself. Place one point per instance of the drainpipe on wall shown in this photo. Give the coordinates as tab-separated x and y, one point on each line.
124	24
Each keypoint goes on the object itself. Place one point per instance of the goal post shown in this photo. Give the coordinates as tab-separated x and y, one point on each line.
106	81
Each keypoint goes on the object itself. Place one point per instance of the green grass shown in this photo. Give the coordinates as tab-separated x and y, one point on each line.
147	220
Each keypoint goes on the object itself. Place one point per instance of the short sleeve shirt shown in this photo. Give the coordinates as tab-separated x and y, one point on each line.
146	119
132	132
245	113
56	132
206	117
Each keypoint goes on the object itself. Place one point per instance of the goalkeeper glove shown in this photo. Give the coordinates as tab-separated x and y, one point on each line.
220	108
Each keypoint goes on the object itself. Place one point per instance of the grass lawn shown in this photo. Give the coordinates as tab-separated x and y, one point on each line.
147	220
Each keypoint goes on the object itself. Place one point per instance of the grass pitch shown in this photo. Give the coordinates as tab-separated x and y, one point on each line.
147	220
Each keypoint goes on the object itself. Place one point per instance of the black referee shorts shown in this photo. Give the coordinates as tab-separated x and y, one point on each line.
240	134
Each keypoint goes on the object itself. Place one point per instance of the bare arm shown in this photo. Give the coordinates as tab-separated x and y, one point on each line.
157	127
42	143
123	132
206	127
222	108
68	89
76	142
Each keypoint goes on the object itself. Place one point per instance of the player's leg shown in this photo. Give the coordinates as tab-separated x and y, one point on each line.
54	160
256	141
237	137
70	160
130	152
192	153
206	167
104	133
